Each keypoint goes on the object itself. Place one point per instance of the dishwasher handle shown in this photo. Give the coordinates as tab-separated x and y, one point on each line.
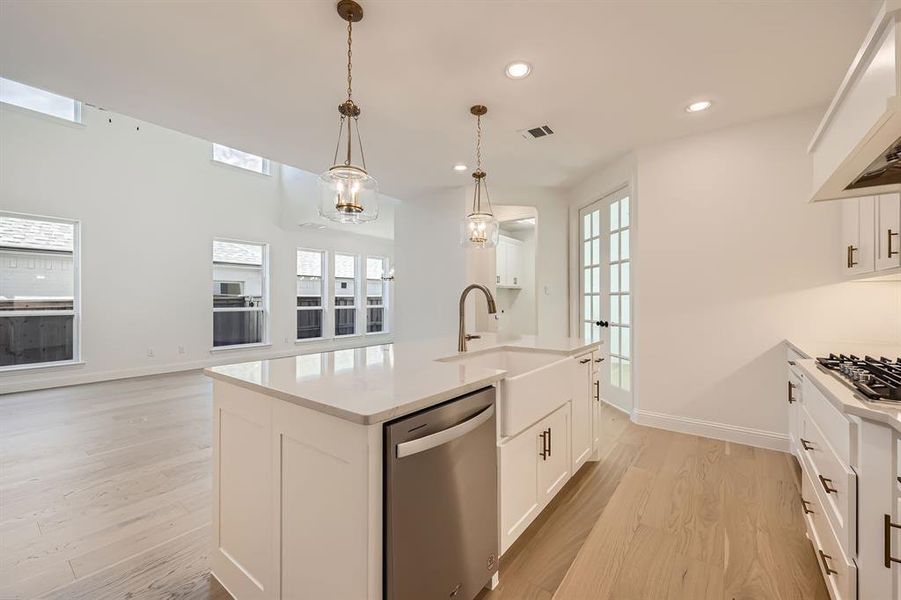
444	436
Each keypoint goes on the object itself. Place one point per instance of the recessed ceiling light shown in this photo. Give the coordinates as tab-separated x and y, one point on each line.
518	70
698	106
460	167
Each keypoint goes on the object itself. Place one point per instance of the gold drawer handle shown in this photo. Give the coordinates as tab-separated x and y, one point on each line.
806	444
851	250
891	252
827	485
824	558
804	504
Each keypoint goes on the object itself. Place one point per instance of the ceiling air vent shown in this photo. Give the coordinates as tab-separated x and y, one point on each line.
536	132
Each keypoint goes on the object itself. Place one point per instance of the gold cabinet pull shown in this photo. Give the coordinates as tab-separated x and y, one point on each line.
851	250
791	387
804	504
891	252
824	557
889	559
827	485
806	444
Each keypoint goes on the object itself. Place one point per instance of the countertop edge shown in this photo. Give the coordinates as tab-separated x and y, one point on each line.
353	417
849	404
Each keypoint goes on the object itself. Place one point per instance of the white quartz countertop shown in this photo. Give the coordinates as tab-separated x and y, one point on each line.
840	395
379	383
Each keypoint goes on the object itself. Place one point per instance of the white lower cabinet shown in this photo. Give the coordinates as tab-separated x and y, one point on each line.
534	466
583	429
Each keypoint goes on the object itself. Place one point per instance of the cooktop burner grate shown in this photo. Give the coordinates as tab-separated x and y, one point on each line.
875	378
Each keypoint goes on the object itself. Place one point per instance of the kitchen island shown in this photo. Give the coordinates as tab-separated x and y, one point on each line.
298	451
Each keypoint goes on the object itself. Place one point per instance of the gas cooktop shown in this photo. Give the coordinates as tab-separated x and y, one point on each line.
875	378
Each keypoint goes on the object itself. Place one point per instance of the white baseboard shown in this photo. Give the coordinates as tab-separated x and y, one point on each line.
719	431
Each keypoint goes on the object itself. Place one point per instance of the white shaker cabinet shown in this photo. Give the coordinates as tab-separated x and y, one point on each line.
582	412
858	224
509	262
888	232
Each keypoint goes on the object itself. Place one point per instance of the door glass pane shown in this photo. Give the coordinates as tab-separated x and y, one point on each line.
587	333
614	216
614	309
596	310
625	309
626	375
596	280
586	226
596	223
614	371
614	339
624	222
624	244
624	278
586	256
614	278
587	279
587	311
625	342
596	251
614	247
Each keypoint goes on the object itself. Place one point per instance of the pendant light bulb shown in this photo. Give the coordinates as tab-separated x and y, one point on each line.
347	192
480	228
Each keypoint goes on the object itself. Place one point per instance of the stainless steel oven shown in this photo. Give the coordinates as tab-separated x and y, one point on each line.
441	536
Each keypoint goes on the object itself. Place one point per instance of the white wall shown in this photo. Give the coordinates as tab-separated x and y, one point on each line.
730	259
150	202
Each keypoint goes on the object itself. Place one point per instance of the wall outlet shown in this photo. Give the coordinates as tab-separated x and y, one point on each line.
181	349
150	352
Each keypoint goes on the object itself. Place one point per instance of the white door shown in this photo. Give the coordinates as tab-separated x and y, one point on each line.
606	284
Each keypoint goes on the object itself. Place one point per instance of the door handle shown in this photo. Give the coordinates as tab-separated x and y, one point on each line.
827	485
891	252
791	386
602	323
444	436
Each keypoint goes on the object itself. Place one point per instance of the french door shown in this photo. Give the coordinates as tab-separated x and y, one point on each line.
606	290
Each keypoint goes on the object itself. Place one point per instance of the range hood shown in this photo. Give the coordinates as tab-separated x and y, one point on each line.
856	150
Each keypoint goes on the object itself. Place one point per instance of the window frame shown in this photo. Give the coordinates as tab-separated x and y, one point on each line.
77	106
324	307
76	295
386	322
264	292
358	274
266	163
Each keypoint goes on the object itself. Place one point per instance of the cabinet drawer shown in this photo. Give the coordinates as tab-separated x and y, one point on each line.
834	483
839	573
836	427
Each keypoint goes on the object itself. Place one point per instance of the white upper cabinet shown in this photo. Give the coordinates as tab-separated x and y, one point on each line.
509	262
888	232
863	121
858	253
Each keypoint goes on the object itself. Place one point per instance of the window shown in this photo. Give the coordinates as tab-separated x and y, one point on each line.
39	306
375	295
240	295
25	96
310	306
345	294
242	160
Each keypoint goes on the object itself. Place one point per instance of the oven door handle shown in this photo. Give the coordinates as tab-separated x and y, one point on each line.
444	436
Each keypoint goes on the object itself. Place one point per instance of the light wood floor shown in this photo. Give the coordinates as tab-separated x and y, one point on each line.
105	494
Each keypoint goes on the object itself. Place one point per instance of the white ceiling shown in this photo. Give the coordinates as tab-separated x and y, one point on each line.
607	76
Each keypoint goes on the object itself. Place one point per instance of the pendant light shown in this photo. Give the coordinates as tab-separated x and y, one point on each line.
480	228
347	193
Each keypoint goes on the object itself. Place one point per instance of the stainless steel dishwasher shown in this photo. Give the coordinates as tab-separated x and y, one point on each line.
441	536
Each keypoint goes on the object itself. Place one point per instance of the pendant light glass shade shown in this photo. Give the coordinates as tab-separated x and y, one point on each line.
347	193
479	230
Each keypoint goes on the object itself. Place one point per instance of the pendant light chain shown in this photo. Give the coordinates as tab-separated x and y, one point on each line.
350	31
478	142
